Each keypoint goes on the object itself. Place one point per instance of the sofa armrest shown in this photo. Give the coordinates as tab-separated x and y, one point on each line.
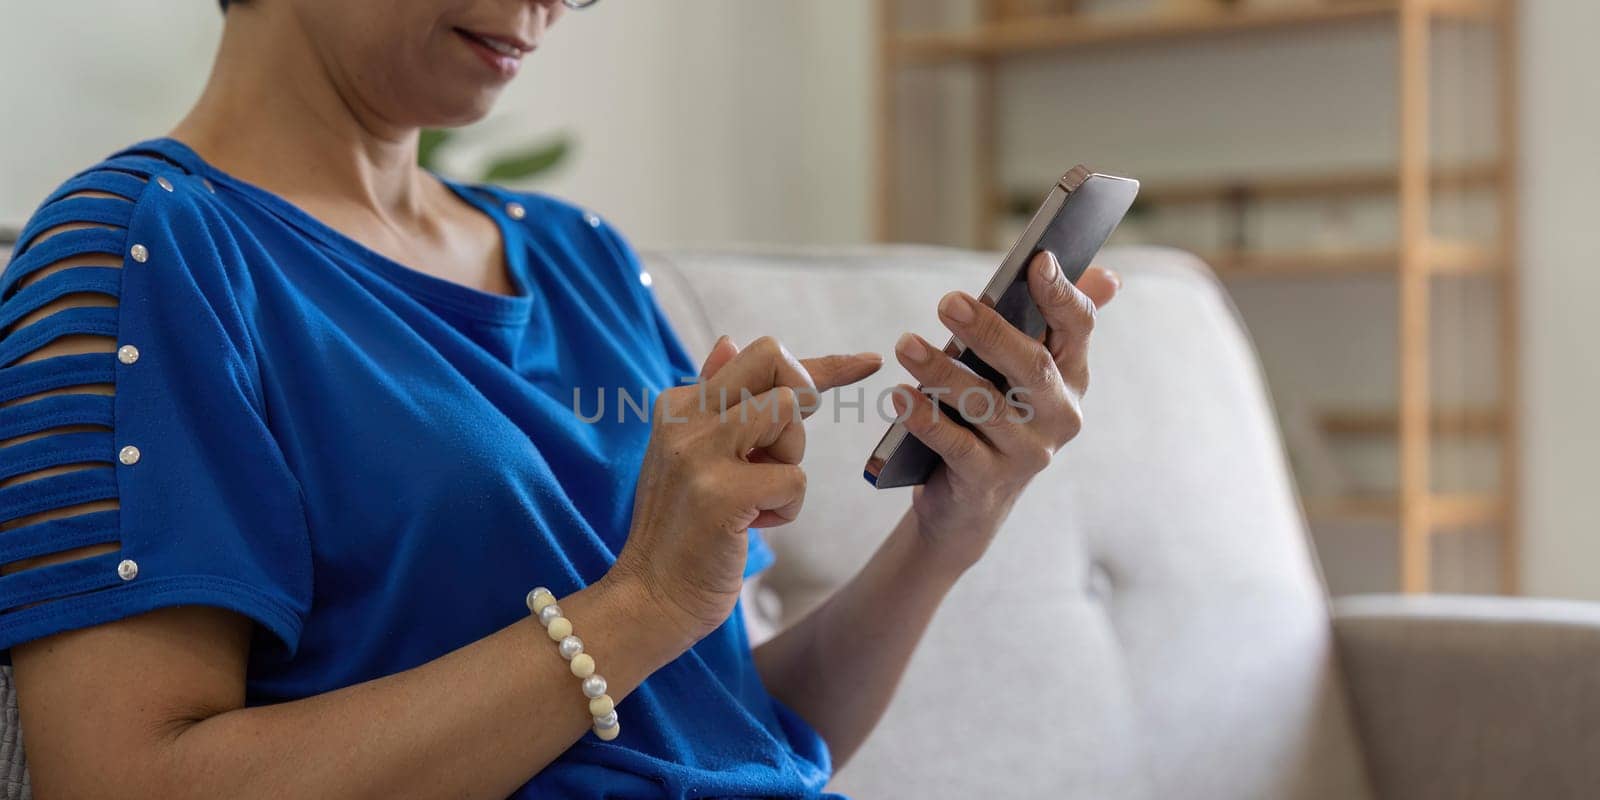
1474	696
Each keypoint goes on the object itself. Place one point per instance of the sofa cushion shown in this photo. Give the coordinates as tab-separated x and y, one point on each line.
1161	619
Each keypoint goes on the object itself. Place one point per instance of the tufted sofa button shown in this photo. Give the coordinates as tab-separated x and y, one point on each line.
770	603
1099	582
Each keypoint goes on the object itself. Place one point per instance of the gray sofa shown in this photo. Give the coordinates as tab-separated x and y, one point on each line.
1151	624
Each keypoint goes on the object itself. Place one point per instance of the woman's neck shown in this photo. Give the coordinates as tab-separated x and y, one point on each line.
275	114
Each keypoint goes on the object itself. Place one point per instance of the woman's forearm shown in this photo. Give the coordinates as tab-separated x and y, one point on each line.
839	666
477	722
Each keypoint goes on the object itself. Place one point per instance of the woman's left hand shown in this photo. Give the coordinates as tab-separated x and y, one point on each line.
1014	436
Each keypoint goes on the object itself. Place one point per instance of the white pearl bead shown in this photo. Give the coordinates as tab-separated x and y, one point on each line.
140	253
570	647
594	686
127	354
607	721
128	569
533	598
128	455
548	613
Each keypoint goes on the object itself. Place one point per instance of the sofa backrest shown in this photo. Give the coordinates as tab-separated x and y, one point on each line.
1151	622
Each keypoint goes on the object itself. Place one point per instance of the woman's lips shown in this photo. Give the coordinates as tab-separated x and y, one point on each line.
503	55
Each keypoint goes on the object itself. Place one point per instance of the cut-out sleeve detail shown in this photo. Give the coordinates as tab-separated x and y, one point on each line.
125	185
56	250
137	470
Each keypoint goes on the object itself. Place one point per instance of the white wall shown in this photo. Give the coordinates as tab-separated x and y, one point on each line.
80	80
715	121
1561	319
737	120
708	121
705	121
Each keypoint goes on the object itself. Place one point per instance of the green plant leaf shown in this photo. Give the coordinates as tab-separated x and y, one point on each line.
527	163
428	145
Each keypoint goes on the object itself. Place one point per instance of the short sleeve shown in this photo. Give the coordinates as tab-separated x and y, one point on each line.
680	364
137	469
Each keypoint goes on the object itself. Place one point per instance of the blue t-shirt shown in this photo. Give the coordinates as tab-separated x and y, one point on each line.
372	464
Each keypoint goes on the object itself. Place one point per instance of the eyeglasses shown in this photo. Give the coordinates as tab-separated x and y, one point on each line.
579	4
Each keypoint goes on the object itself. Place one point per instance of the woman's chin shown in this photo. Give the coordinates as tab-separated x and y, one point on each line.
457	109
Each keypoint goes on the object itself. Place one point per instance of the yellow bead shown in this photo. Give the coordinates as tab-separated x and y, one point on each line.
607	734
560	628
601	706
582	665
541	600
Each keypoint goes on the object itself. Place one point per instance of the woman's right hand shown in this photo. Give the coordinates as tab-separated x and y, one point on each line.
724	456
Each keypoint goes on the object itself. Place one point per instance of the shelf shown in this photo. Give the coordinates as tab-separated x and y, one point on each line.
1447	512
1064	32
1446	258
1455	511
1312	186
1298	264
1453	422
1462	258
1355	508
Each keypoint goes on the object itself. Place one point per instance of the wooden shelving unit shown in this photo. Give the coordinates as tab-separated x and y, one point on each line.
998	37
1003	32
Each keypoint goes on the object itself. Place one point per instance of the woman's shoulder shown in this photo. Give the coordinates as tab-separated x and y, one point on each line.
537	207
110	208
138	227
140	172
573	228
548	215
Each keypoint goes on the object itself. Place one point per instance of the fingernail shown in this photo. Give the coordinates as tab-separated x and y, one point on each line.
956	306
908	346
1116	280
873	357
1050	267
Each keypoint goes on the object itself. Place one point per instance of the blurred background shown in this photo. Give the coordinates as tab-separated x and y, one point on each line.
1398	195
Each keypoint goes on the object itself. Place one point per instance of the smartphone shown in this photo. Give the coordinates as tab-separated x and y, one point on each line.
1077	217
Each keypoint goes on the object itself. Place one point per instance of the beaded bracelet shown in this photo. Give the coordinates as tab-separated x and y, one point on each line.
542	604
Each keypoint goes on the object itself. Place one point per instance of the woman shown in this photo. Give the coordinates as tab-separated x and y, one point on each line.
288	435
